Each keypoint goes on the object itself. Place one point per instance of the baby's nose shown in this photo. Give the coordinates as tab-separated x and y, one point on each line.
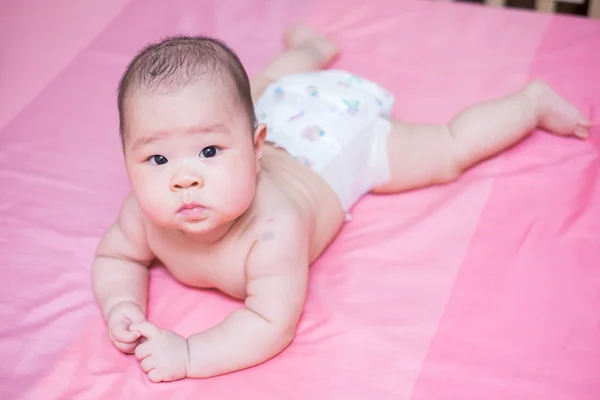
185	181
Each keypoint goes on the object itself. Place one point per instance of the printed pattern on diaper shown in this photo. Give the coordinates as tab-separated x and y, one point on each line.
353	106
313	114
350	80
312	133
312	90
296	116
278	94
355	79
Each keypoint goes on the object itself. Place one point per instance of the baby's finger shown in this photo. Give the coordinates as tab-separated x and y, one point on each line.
155	376
128	348
146	328
147	364
143	350
122	334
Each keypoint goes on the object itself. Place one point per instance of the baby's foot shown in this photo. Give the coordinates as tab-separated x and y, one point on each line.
300	35
556	114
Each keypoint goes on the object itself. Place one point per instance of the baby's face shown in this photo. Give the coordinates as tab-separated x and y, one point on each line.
191	157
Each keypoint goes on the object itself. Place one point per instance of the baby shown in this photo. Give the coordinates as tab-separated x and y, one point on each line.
240	185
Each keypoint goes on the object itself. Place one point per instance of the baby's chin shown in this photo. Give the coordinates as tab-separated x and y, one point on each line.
204	226
211	224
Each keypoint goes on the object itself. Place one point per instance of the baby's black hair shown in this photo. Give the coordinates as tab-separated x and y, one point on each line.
175	62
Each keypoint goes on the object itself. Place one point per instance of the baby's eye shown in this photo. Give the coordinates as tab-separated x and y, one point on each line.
209	152
157	159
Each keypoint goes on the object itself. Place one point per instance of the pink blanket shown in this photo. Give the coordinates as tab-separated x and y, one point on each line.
484	289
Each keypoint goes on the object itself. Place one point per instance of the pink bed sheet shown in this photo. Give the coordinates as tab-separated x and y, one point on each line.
484	289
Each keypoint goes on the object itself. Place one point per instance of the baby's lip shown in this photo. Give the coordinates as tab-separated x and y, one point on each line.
192	211
190	206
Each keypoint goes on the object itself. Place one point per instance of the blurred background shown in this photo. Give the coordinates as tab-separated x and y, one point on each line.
589	8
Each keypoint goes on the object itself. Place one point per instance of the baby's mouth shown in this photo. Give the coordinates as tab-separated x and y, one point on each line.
192	211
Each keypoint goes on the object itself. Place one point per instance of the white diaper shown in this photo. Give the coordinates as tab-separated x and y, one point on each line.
336	123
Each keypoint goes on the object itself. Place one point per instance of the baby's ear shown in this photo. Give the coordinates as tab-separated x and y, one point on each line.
260	134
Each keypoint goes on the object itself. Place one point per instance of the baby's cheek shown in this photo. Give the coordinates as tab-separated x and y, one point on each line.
239	192
151	207
152	201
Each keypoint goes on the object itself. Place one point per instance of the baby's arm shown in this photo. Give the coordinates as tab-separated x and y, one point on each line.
120	275
422	155
277	275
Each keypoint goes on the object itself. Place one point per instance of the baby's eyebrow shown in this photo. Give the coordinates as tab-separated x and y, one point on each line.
156	136
214	128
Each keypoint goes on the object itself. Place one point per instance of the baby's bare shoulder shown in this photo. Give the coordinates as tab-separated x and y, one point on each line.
126	237
280	233
131	218
274	207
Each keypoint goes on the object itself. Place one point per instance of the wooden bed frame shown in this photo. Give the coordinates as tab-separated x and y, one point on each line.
549	5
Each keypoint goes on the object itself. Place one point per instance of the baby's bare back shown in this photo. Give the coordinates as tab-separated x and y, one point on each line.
285	186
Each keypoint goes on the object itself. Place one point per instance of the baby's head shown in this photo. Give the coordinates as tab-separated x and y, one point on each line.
187	124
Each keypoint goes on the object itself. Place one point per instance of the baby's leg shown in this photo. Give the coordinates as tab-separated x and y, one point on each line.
306	50
422	155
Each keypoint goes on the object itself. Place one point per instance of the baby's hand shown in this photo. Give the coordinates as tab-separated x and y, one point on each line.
164	355
119	320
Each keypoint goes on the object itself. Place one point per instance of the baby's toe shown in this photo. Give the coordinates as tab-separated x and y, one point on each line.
581	131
